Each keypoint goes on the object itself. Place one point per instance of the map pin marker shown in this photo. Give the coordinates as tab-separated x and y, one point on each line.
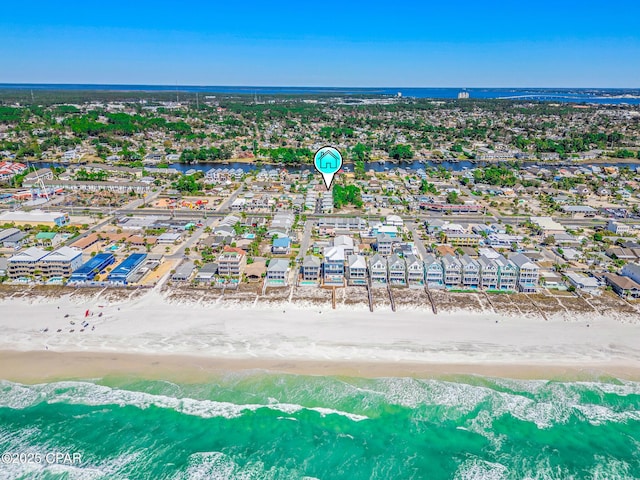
328	161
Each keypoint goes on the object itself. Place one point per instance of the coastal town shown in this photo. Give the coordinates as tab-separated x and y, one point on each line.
520	207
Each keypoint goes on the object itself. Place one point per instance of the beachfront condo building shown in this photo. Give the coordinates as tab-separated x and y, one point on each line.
415	270
61	262
356	270
397	269
528	273
507	274
384	244
333	265
470	272
231	262
378	270
36	262
434	271
452	271
488	273
125	270
278	271
93	267
26	264
310	268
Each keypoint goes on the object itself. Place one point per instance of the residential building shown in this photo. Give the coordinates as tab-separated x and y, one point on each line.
434	272
378	269
415	270
618	228
507	274
631	270
452	271
207	273
61	262
394	221
277	271
623	286
168	238
94	266
528	273
281	246
397	269
583	282
26	263
384	244
183	272
346	243
463	239
48	239
488	273
310	268
470	272
126	269
13	238
231	262
356	270
333	265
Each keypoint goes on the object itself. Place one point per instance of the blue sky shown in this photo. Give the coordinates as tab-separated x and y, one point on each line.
331	43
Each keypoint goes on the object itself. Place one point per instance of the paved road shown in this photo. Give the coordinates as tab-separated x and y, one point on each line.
179	253
422	250
306	238
226	205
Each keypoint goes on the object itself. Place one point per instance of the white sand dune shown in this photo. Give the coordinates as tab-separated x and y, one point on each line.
303	331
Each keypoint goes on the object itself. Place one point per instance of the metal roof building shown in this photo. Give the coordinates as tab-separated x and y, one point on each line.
125	269
93	267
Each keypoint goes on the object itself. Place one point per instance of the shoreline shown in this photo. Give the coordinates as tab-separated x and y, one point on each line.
31	367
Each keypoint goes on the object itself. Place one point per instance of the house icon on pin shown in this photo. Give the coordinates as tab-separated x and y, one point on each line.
328	160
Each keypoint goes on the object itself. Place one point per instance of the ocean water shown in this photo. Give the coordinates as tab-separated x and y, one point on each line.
257	425
564	95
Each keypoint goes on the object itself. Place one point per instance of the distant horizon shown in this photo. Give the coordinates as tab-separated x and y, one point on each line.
323	87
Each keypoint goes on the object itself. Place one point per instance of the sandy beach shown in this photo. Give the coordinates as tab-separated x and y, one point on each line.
155	333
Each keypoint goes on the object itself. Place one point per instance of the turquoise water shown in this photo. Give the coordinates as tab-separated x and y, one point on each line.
256	425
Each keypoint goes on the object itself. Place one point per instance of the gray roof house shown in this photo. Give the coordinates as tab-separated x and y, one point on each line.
397	270
488	273
415	270
277	272
434	271
452	271
378	269
356	270
310	268
528	273
470	272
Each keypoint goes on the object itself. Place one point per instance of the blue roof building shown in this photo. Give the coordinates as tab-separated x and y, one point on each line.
122	273
281	245
93	267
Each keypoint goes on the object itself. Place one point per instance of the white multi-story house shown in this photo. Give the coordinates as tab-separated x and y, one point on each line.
488	273
452	271
378	269
528	273
310	268
231	262
415	270
434	272
470	272
356	270
397	270
507	274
